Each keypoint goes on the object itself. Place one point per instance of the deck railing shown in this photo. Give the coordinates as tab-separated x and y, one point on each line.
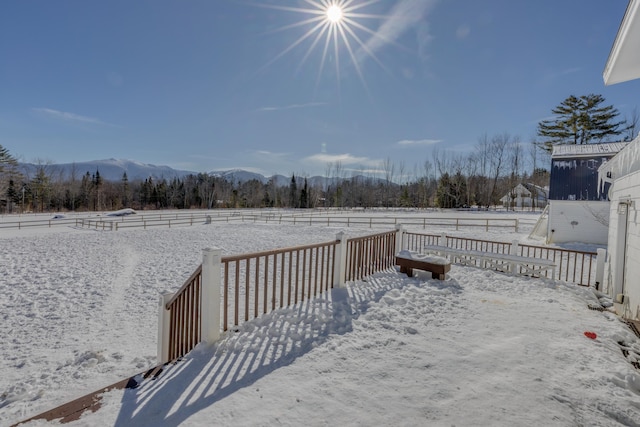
370	254
184	316
257	283
573	266
225	292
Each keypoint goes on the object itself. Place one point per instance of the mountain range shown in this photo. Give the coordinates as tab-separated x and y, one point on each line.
114	169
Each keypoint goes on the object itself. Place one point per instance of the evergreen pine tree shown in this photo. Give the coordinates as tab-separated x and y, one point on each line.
580	121
6	159
12	195
125	190
293	193
304	195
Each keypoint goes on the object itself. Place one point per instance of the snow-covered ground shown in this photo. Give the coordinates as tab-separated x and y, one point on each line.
79	312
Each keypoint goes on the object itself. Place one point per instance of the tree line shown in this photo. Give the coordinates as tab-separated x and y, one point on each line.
447	180
492	169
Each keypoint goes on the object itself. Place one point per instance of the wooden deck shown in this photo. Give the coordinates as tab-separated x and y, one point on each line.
72	411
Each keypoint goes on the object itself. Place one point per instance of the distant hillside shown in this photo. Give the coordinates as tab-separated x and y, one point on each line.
239	175
110	170
113	170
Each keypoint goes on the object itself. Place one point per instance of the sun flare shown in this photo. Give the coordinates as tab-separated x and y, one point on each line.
333	27
334	13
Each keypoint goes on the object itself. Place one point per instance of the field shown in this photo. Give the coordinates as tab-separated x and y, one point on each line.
79	310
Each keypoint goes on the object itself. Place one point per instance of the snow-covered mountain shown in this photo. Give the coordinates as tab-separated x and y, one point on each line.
114	169
110	170
239	175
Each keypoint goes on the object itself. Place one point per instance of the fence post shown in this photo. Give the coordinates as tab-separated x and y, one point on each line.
513	251
399	235
514	248
602	255
210	299
443	239
340	269
164	317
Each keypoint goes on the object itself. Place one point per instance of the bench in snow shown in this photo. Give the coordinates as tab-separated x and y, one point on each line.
437	265
506	263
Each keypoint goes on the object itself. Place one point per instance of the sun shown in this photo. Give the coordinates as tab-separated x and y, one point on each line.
334	14
332	27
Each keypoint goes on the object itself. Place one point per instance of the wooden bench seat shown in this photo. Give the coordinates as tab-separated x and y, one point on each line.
438	266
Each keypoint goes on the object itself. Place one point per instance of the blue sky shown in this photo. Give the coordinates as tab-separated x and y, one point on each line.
209	85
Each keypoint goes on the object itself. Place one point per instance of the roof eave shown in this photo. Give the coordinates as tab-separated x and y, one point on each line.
623	63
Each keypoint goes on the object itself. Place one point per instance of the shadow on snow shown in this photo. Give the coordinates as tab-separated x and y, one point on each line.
257	348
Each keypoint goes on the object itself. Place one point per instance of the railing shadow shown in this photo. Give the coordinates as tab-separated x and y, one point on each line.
259	347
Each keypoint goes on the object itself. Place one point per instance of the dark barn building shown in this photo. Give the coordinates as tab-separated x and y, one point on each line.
574	170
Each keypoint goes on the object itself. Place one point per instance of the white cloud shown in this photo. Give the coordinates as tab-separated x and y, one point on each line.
463	31
293	106
70	117
424	38
404	16
408	73
344	159
407	142
268	155
371	171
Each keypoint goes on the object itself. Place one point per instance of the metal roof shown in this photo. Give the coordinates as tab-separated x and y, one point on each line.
586	150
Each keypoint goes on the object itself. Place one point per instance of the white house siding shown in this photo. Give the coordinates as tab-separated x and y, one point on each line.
578	221
620	264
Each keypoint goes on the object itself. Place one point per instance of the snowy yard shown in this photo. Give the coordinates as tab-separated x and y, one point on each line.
79	312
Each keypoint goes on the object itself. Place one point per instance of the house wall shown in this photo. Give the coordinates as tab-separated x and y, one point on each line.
519	202
620	264
578	221
523	198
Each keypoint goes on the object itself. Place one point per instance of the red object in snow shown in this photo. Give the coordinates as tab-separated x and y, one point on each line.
591	335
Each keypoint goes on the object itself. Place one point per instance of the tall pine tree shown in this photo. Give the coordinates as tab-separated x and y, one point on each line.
580	120
6	159
304	195
293	192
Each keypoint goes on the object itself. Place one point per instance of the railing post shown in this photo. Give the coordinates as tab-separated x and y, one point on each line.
443	239
399	235
164	317
210	299
602	255
340	269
